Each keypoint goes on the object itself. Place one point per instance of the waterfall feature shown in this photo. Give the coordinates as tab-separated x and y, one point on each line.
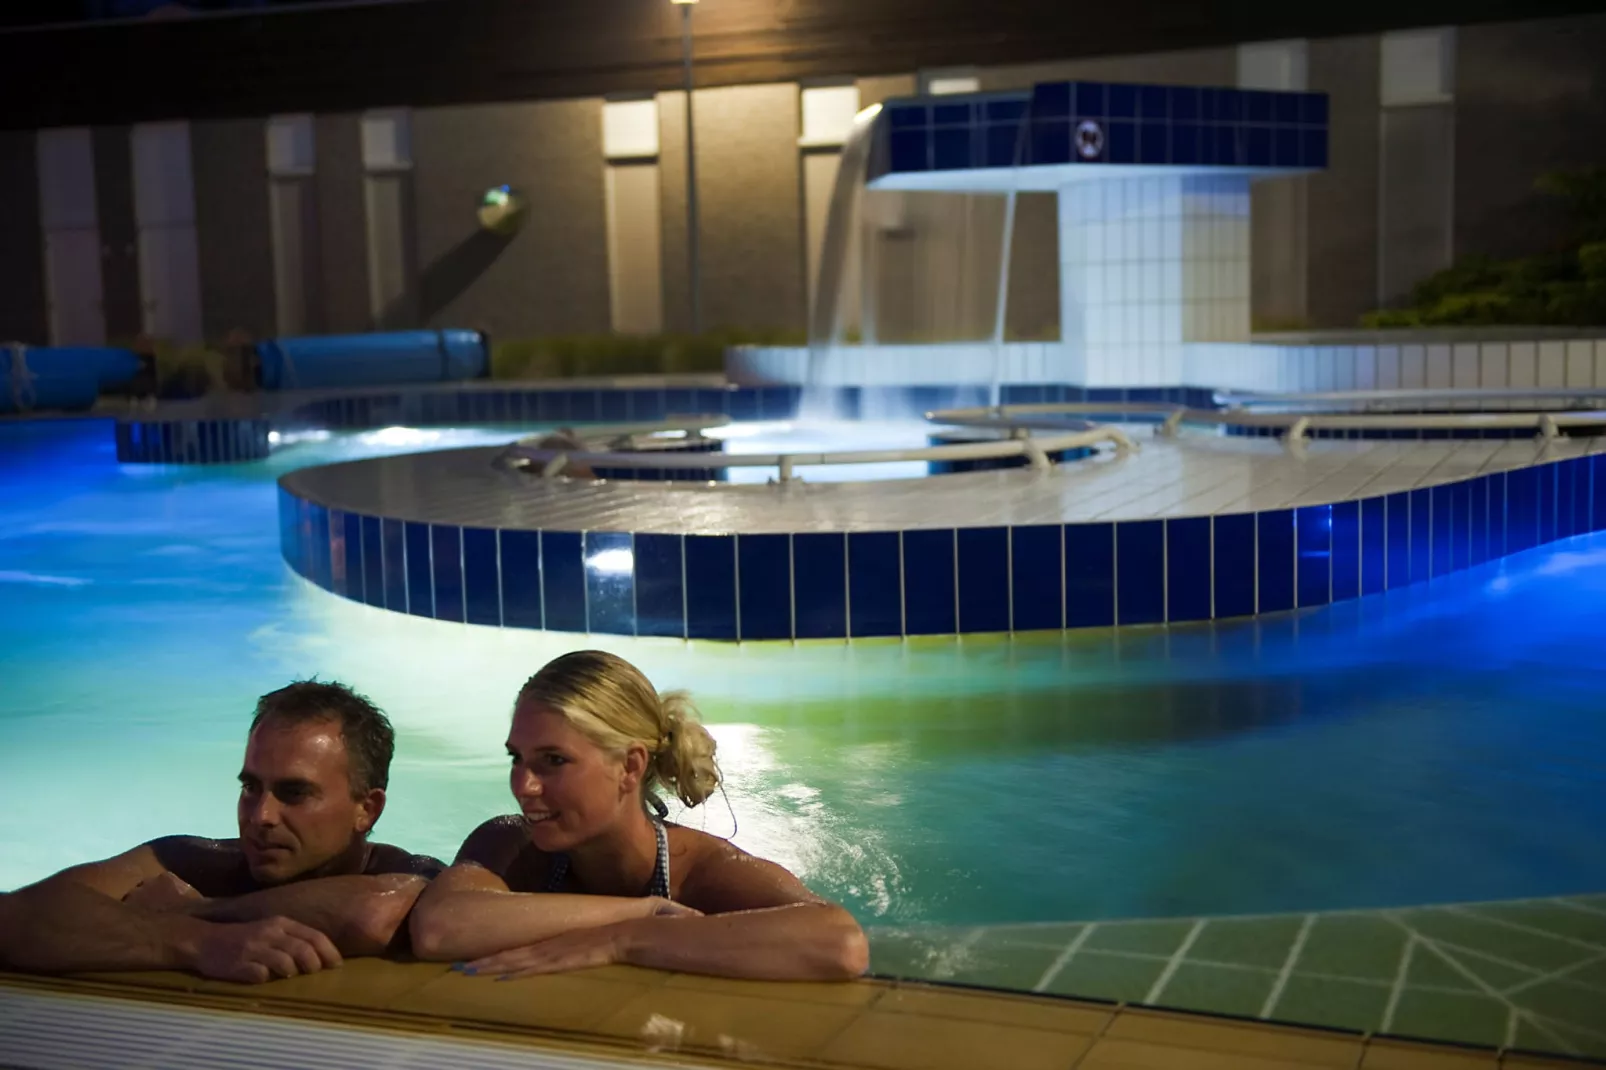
825	318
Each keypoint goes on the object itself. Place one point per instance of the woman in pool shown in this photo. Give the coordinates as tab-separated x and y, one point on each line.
589	873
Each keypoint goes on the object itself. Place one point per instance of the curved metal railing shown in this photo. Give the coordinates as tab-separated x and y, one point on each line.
1036	449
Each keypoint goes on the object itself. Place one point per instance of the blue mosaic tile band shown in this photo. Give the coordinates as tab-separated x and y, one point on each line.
940	581
230	441
1092	123
191	441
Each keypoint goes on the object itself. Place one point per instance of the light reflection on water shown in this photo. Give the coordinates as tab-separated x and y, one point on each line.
1434	744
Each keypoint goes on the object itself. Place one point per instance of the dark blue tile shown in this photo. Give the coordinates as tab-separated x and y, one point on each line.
347	559
1229	105
647	405
373	562
1153	102
1051	100
1184	103
1313	536
446	560
420	572
951	149
744	404
904	116
1037	588
1122	143
1004	145
1140	572
1597	482
1547	502
1522	509
1152	143
1184	143
764	586
1089	575
1399	540
1497	515
394	542
1231	148
1346	550
1123	101
660	589
610	579
482	593
908	150
1258	106
1286	109
875	585
1313	150
983	579
1313	108
951	114
1008	111
1573	503
1050	142
1478	521
928	582
1235	565
1286	147
710	586
1274	551
1091	100
317	554
1421	534
1441	543
1188	564
1460	524
615	406
521	579
820	585
1259	146
563	581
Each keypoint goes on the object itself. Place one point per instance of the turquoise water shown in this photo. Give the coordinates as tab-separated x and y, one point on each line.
1444	743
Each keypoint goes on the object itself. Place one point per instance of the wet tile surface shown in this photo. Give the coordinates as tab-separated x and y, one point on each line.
1194	475
1527	974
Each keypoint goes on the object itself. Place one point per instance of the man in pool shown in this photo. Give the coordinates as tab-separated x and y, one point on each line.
299	889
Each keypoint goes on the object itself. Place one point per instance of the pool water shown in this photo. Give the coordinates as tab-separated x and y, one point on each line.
1434	744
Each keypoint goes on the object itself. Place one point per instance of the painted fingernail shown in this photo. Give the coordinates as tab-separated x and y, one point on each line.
459	966
469	971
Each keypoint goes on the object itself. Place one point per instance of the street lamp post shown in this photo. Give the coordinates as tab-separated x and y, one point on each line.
693	262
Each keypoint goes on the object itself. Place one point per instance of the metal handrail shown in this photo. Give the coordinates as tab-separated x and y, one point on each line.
1034	448
1547	423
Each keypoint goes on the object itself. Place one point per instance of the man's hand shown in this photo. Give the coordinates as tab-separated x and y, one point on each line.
659	907
256	951
164	893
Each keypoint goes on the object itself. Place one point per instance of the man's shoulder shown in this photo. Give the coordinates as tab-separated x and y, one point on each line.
212	867
388	858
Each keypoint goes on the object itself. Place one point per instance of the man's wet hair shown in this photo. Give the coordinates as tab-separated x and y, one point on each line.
370	741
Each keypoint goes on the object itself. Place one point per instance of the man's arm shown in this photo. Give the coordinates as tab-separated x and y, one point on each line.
362	915
76	921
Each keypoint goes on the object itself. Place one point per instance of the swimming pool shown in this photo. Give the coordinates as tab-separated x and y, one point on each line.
1434	744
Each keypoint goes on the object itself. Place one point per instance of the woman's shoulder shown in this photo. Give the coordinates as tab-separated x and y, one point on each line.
716	876
495	843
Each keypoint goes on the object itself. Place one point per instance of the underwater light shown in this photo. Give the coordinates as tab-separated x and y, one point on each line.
612	562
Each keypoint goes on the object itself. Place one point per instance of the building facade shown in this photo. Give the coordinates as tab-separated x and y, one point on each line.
318	221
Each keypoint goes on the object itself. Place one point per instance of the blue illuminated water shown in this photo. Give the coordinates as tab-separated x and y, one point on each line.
1443	743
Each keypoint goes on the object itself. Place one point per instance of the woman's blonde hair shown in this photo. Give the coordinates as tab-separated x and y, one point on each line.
610	702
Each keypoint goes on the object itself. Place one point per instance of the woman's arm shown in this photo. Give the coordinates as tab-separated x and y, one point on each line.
760	922
468	911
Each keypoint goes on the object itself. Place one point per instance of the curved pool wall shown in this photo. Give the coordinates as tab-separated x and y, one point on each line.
932	580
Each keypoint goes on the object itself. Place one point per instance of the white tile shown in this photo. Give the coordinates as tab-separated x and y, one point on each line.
1438	367
1464	367
1413	367
1580	364
1365	367
1494	365
1388	368
1600	363
1524	364
1552	364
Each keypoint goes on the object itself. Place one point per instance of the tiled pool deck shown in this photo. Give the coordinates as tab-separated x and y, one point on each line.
1527	974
